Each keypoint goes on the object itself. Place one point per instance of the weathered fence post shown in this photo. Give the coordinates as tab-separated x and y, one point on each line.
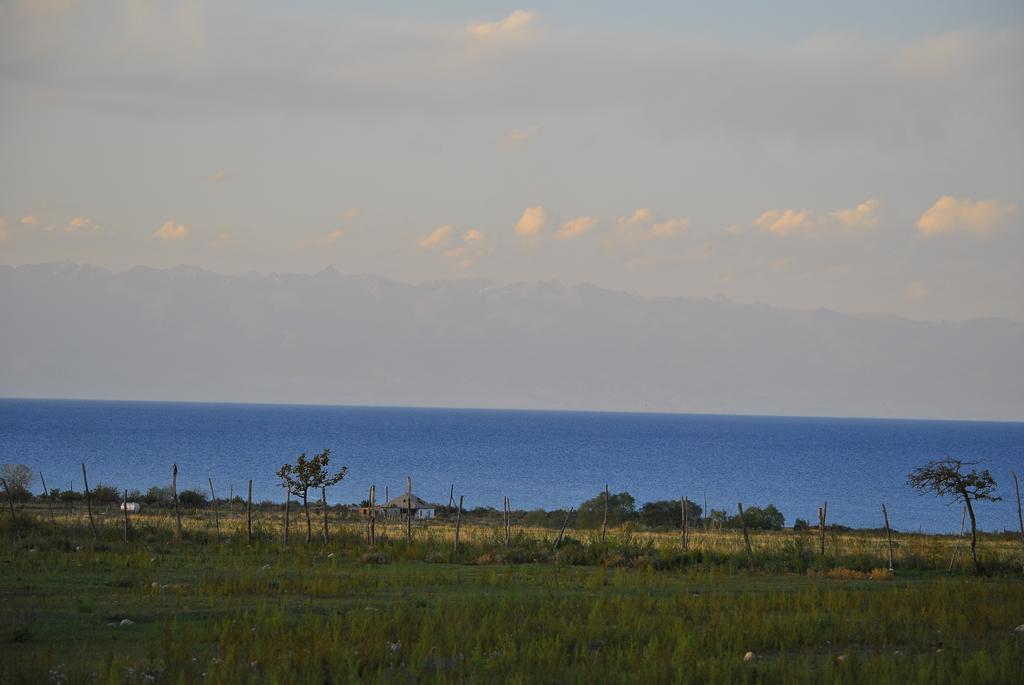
323	500
124	505
508	524
888	534
822	517
88	504
216	513
177	511
956	549
458	525
49	500
371	528
704	513
287	512
561	532
1020	516
604	521
10	501
248	514
746	534
408	508
684	522
451	496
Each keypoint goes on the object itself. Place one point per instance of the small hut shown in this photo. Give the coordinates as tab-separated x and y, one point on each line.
406	505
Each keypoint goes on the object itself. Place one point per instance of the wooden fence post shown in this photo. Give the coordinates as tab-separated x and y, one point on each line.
49	501
10	501
88	504
287	512
746	534
216	513
124	505
451	496
248	515
888	534
323	501
174	491
458	526
604	524
372	528
1020	516
684	522
408	509
704	513
508	525
822	517
561	532
956	549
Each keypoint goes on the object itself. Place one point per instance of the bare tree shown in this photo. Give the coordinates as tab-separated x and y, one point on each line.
19	480
946	477
309	473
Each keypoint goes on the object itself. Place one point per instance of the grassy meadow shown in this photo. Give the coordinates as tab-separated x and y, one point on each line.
633	607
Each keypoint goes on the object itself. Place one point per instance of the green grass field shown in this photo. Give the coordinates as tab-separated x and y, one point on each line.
635	608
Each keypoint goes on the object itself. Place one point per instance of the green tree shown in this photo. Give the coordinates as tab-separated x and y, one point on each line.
621	508
757	518
946	478
105	494
668	514
309	473
192	498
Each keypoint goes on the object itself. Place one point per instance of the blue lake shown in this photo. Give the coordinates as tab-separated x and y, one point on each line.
538	459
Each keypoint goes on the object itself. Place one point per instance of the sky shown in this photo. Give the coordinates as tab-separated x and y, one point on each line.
864	157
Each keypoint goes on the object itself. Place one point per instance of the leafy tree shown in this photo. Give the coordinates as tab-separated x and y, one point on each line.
945	477
19	481
668	514
801	524
309	473
157	495
192	498
70	496
756	518
621	508
104	494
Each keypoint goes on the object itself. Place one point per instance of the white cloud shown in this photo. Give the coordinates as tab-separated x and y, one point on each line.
29	220
864	215
472	248
950	214
219	176
80	224
575	228
518	136
785	222
171	231
5	233
437	238
531	223
351	213
641	225
514	24
334	236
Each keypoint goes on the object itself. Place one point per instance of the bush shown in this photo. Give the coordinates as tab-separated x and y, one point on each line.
768	518
105	494
801	524
157	495
192	498
621	508
668	514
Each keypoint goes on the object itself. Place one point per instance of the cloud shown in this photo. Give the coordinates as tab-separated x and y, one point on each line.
518	136
171	231
863	215
785	222
531	223
575	228
219	176
334	236
918	290
472	248
437	238
351	213
640	225
80	224
29	220
950	214
513	25
5	233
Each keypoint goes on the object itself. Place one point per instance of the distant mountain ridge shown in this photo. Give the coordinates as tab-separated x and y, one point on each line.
71	330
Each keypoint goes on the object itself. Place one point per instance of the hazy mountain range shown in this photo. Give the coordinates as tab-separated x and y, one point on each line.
68	330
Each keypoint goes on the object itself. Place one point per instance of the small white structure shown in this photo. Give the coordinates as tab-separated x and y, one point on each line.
404	505
130	507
